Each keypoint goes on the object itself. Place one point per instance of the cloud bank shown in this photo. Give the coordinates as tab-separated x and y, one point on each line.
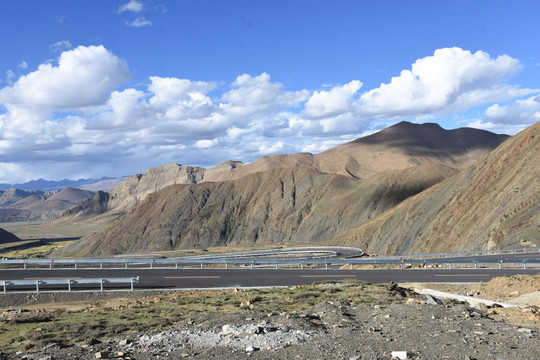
77	118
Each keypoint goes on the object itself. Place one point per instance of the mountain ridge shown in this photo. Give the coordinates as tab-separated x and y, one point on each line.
492	204
280	199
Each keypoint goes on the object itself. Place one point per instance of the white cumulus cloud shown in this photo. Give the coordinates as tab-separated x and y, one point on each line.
132	5
84	76
139	22
77	116
205	143
450	77
510	118
336	101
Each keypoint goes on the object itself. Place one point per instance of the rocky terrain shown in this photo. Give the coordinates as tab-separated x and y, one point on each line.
329	320
281	206
491	205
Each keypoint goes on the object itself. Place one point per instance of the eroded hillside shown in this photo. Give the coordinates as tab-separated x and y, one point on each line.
491	205
294	206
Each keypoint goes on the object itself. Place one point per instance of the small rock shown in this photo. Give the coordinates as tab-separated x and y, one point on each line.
525	330
430	300
531	309
102	355
415	301
480	306
399	354
251	348
124	342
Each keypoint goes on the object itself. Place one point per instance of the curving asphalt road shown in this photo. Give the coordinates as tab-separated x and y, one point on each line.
220	278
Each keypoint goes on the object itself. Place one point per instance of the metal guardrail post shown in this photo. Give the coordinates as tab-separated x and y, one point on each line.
524	264
500	264
132	283
101	283
69	285
4	286
37	286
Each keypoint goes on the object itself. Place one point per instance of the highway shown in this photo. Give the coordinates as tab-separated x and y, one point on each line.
227	278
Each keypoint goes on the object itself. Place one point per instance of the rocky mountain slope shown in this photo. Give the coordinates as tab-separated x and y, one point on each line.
20	205
284	199
492	204
275	207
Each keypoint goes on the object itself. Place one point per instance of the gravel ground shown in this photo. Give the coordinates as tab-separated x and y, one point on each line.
417	330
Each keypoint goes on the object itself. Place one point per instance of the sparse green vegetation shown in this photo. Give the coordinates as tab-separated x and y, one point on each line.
37	251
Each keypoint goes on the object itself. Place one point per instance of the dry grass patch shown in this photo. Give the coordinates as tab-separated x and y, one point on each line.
69	325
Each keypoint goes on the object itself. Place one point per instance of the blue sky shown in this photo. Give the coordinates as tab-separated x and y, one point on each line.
110	88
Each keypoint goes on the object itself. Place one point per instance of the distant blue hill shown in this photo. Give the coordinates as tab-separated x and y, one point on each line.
47	185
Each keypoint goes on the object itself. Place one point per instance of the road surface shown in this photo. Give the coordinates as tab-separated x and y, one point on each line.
220	278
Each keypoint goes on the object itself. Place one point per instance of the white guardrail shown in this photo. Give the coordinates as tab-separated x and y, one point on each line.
469	257
69	282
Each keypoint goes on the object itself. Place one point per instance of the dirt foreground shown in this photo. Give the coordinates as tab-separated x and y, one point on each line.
329	320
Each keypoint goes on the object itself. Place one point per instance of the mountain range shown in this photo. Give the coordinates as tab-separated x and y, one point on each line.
340	196
42	185
21	205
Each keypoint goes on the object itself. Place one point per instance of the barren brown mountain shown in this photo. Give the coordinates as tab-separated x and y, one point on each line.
284	199
398	147
19	205
491	205
281	206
